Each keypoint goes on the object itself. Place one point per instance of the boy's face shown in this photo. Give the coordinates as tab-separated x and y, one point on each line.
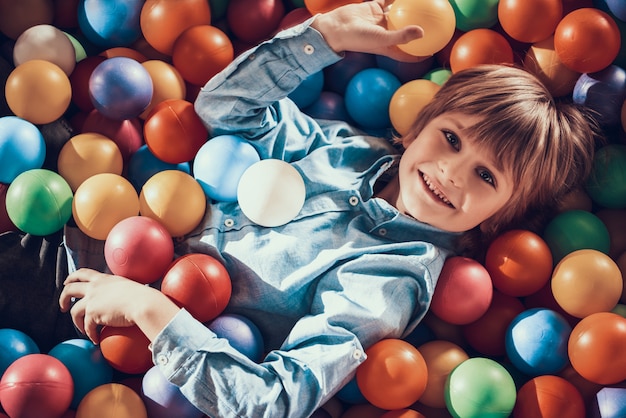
446	180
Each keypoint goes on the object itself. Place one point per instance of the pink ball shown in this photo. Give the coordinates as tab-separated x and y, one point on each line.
139	248
464	291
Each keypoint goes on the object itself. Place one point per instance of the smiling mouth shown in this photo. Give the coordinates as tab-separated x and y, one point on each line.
438	194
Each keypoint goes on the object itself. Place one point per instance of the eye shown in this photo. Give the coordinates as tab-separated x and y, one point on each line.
452	139
486	176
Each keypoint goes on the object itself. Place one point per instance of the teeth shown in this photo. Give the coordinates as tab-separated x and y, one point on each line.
436	191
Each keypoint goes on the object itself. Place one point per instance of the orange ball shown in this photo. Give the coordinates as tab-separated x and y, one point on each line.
174	132
441	358
480	46
111	400
123	51
162	21
403	413
38	91
529	20
549	397
167	84
323	6
126	349
408	101
519	262
542	60
596	348
393	376
578	36
201	52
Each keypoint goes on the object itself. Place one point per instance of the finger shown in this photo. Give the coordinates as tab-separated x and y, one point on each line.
70	293
92	330
81	275
78	315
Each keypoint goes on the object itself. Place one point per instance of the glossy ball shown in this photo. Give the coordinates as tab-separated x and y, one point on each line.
86	364
143	164
36	385
530	20
596	348
368	95
480	387
109	23
436	17
441	358
111	399
585	282
45	42
127	134
393	376
542	60
308	91
338	75
405	71
79	80
200	284
323	6
220	163
616	7
139	248
242	334
38	91
175	199
408	101
519	262
607	183
126	349
463	292
577	36
120	88
39	202
549	397
604	92
608	402
329	105
164	399
254	20
174	132
13	345
22	147
480	46
167	83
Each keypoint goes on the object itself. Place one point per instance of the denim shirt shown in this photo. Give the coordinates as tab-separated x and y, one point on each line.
348	271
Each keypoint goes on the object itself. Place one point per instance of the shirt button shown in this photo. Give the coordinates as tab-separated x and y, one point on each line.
161	359
353	200
251	57
308	49
357	354
382	232
229	223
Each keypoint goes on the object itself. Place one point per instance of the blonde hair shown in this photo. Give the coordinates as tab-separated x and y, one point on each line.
547	145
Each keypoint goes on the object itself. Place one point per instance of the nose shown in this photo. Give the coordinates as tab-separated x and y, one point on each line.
453	170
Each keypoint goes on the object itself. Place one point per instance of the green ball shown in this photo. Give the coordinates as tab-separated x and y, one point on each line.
480	387
576	230
39	202
475	14
438	75
607	183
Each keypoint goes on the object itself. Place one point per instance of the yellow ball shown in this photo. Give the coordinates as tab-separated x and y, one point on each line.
408	101
111	399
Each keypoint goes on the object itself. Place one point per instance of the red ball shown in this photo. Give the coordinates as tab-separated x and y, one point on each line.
126	349
125	133
139	248
254	20
480	46
79	79
200	284
578	37
393	376
36	385
463	292
174	132
549	397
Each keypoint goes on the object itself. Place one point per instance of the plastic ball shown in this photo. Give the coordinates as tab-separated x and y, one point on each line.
271	192
120	88
308	91
200	284
603	92
405	71
585	282
242	334
13	345
88	368
438	75
112	399
174	132
368	95
329	105
393	376
16	17
143	164
536	341
577	36
596	348
549	397
127	134
338	75
542	61
323	6
607	183
575	230
616	7
529	21
408	101
109	23
167	83
480	46
463	292
351	394
441	358
38	91
123	51
254	20
608	402
39	202
519	262
402	413
475	14
22	147
101	201
480	387
45	42
36	385
220	163
164	399
5	222
126	349
85	155
293	18
175	199
436	17
139	248
79	80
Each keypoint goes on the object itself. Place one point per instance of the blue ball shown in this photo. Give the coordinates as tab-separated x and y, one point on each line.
351	393
308	91
329	105
338	75
164	399
615	7
609	402
604	92
242	334
22	148
120	88
220	163
143	164
110	23
368	96
536	341
86	364
13	345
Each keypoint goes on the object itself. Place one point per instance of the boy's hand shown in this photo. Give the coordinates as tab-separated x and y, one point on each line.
362	27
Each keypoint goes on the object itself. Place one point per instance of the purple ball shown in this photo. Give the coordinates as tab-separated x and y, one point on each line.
164	399
241	333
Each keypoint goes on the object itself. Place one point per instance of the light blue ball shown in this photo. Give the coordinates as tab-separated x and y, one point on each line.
368	95
220	163
110	23
22	148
